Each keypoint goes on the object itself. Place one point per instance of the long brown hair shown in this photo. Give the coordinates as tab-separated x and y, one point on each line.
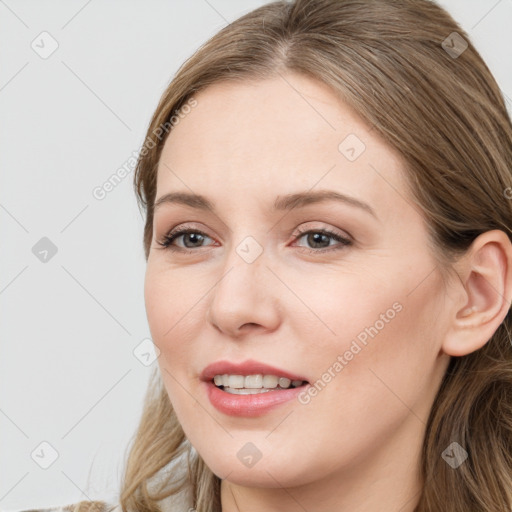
399	64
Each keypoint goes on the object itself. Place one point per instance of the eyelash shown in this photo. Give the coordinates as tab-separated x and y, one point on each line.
168	239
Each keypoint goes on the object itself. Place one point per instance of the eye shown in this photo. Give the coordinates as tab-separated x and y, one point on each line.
317	237
192	236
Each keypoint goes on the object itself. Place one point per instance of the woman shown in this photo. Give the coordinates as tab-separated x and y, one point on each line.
329	269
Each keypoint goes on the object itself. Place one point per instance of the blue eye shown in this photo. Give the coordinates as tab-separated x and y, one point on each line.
314	236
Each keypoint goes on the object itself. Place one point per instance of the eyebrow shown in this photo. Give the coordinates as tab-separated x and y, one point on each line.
287	202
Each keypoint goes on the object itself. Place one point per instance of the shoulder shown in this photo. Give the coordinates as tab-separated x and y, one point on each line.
81	506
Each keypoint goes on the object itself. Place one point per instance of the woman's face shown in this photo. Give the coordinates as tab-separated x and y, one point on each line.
341	293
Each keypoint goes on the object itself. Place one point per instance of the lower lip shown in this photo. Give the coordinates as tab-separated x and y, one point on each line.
249	405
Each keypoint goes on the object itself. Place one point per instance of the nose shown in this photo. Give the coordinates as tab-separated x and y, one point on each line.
245	298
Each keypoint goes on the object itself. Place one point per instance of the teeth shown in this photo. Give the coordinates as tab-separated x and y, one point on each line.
270	381
236	381
253	381
251	384
284	382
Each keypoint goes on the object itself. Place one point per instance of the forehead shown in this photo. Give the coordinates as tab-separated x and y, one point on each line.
280	134
291	114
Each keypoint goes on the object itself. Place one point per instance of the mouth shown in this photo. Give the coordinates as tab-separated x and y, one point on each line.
250	388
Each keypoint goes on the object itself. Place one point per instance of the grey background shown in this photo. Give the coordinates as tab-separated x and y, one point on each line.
70	324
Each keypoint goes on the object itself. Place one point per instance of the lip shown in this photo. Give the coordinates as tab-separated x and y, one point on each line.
247	405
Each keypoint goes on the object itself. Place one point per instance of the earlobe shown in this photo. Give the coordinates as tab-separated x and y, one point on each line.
485	273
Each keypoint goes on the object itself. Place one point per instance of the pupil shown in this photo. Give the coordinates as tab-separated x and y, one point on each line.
194	235
316	238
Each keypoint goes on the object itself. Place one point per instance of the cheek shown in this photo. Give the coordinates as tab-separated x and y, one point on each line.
378	301
172	304
385	356
170	318
172	321
375	336
343	309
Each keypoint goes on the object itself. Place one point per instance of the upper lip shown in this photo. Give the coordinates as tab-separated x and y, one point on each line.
248	367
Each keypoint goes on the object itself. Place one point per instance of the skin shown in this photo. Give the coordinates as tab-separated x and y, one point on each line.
356	445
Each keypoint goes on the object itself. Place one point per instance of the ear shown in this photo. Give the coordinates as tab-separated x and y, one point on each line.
484	293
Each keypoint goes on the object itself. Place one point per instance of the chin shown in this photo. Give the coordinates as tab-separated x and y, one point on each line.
264	473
